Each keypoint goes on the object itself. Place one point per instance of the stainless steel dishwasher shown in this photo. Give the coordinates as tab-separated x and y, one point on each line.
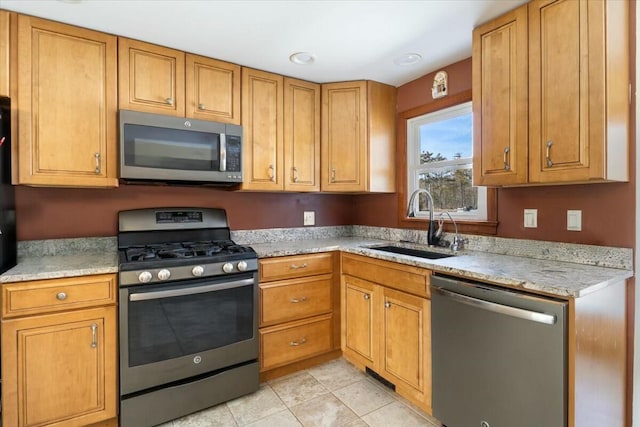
499	356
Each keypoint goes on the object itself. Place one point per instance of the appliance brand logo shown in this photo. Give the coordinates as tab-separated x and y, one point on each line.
197	359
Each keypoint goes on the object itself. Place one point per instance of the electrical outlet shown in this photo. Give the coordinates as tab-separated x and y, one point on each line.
574	220
531	218
309	218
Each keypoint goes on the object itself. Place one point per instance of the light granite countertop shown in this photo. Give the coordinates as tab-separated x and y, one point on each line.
562	279
536	271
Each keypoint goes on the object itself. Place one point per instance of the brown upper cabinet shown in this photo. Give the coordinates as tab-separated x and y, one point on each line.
4	52
151	78
67	93
156	79
358	137
576	63
281	128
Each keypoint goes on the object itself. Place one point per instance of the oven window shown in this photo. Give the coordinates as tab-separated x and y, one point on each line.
162	148
165	328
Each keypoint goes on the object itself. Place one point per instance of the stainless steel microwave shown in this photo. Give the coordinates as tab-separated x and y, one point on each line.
157	148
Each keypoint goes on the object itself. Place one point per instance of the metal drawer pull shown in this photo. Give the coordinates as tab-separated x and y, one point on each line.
295	174
61	296
273	173
387	304
97	156
297	343
94	335
333	174
295	267
201	106
505	158
549	162
297	300
367	296
169	101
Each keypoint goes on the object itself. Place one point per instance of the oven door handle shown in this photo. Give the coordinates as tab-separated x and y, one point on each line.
145	296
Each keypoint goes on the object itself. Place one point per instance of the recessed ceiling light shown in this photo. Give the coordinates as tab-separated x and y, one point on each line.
408	59
302	58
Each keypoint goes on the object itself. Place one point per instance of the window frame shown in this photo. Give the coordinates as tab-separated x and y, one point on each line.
415	168
487	227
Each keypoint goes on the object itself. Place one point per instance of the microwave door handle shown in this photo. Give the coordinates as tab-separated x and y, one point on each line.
145	296
223	152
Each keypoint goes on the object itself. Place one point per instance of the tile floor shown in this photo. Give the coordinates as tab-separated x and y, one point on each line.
332	394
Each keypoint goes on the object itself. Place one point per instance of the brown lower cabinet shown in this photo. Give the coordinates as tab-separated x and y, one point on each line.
299	312
386	323
59	352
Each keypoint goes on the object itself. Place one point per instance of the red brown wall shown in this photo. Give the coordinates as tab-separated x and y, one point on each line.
48	213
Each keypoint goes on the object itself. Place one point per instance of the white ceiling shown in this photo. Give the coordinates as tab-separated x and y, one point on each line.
351	40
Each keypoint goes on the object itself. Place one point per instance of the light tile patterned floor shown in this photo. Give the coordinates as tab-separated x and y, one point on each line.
333	394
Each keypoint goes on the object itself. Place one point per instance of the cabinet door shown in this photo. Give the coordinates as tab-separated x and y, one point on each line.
406	344
500	86
151	78
359	316
344	136
262	122
212	89
301	135
4	52
67	97
59	368
578	90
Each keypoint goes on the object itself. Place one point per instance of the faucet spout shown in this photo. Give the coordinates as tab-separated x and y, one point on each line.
431	237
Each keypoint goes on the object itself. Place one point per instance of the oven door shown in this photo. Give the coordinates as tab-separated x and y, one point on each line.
170	332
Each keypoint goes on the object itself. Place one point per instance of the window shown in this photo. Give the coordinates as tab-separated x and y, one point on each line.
440	160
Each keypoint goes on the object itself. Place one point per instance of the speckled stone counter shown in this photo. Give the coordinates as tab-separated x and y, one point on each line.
548	276
52	259
561	269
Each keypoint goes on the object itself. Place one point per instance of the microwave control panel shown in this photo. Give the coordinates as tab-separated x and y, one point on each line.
234	153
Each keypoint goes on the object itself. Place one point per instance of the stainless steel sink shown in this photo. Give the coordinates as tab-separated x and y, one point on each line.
412	252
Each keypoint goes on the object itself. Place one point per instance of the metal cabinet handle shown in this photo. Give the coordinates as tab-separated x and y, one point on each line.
333	174
505	158
169	101
273	173
295	267
367	296
387	304
297	343
97	157
297	300
295	174
94	335
549	162
61	296
201	106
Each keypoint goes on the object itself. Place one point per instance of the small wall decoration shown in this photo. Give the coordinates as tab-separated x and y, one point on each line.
440	85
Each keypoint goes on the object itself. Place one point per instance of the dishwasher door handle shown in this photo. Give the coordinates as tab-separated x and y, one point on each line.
520	313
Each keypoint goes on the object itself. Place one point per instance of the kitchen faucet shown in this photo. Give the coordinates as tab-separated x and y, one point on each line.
431	237
458	242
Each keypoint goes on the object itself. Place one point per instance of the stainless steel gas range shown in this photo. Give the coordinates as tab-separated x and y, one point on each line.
188	314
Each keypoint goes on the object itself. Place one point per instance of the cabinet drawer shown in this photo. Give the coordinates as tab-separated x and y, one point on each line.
393	275
295	266
281	345
44	296
294	299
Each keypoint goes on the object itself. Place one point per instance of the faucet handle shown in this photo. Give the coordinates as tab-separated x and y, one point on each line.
458	243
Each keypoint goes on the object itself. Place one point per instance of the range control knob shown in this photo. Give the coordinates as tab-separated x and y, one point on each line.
145	277
242	266
197	271
164	274
227	267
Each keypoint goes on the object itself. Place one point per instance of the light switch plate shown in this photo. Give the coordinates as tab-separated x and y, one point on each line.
309	218
531	218
574	220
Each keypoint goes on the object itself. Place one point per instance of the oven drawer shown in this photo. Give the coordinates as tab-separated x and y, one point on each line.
295	266
281	345
294	299
44	296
